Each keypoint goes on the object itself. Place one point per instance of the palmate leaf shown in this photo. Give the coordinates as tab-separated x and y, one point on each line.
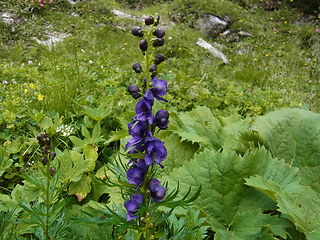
232	208
294	135
301	204
200	126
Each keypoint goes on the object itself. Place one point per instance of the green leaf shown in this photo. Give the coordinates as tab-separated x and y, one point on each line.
96	132
225	199
97	113
81	188
85	132
199	126
91	153
294	135
177	152
79	143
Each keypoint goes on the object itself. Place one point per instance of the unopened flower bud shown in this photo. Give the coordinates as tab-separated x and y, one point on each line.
44	151
158	59
134	91
40	137
153	68
143	45
44	160
48	142
159	32
157	20
53	155
52	171
158	42
149	20
161	119
143	220
137	67
137	31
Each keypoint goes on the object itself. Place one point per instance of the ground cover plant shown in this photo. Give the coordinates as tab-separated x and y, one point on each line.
124	128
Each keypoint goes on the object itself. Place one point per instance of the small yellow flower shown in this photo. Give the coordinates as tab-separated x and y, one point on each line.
255	59
40	97
300	104
101	28
220	34
72	37
302	13
314	60
69	21
285	22
240	20
305	64
267	55
179	48
31	85
291	0
230	60
25	90
275	32
271	18
125	44
255	45
89	30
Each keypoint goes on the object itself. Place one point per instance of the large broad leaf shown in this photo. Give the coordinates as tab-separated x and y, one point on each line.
294	135
177	152
199	126
230	205
301	204
81	188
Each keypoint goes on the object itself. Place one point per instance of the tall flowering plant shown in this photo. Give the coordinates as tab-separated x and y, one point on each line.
145	150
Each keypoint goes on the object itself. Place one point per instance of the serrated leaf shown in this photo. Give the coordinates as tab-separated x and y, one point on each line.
225	198
117	135
294	135
97	113
177	152
199	126
81	188
46	122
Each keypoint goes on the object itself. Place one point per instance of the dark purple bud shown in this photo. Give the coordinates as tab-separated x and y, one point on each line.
44	151
157	20
161	119
52	171
137	31
158	59
53	155
48	142
45	135
158	42
133	205
153	68
149	20
137	67
154	73
143	45
44	160
134	91
159	32
157	191
40	137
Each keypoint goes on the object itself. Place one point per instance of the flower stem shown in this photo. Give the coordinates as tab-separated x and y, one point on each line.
48	200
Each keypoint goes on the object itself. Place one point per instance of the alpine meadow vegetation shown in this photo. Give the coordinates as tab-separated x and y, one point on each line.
116	124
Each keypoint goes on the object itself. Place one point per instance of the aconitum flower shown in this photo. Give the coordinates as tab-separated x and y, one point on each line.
137	128
159	88
157	191
136	173
133	205
144	108
155	151
161	119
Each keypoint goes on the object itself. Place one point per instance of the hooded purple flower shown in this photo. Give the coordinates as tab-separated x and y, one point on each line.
133	205
136	173
144	108
155	150
157	191
159	88
161	119
137	128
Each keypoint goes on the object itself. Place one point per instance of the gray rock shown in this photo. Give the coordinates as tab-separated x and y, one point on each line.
121	14
215	52
212	26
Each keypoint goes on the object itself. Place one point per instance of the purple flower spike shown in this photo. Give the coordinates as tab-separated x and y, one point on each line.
133	205
155	150
159	88
144	108
157	191
161	119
